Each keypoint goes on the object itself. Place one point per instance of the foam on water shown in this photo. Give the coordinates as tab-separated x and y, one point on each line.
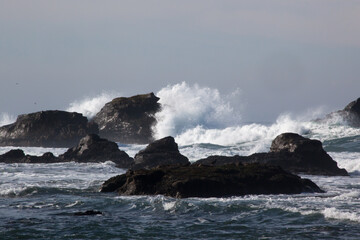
185	107
348	160
198	115
20	178
334	213
90	106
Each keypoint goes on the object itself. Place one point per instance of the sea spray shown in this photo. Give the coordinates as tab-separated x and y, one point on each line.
185	107
90	106
6	118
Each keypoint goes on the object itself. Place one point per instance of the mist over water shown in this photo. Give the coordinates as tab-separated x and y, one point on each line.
186	107
90	106
6	118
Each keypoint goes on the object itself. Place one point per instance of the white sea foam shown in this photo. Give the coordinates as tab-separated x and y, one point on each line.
348	160
26	178
194	115
335	213
90	106
6	118
186	107
258	134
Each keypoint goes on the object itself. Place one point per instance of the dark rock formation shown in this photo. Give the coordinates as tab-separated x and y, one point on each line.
209	181
88	213
18	156
290	151
350	114
160	153
92	148
46	129
128	120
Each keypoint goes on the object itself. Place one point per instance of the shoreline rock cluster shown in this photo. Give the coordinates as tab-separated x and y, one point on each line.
208	181
160	168
126	120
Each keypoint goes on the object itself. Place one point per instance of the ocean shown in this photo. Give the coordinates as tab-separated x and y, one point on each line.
39	201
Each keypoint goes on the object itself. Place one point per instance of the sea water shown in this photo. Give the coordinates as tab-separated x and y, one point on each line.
38	201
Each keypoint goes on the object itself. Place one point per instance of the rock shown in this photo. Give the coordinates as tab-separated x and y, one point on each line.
218	160
18	156
128	120
290	151
350	114
160	153
209	181
92	148
46	129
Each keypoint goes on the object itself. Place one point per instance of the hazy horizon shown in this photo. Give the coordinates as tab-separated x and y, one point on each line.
277	56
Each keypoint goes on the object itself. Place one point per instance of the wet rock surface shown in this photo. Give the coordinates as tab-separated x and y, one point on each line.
350	114
209	181
128	120
290	151
92	148
46	129
162	152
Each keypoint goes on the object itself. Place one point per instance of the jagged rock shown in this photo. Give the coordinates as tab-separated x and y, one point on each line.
46	129
128	120
92	148
350	114
18	156
209	181
290	151
160	153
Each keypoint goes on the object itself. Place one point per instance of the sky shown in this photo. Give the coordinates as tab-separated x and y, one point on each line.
279	55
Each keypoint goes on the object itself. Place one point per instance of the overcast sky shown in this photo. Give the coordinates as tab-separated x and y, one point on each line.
283	56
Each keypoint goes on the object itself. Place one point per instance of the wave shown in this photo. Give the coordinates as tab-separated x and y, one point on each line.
90	106
6	118
185	107
195	115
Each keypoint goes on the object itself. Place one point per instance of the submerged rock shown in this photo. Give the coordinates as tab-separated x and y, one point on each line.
162	152
88	213
92	148
290	151
128	120
46	129
209	181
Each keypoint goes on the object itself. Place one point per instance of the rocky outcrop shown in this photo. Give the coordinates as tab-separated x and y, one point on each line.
18	156
350	114
162	152
209	181
92	148
128	120
290	151
47	129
